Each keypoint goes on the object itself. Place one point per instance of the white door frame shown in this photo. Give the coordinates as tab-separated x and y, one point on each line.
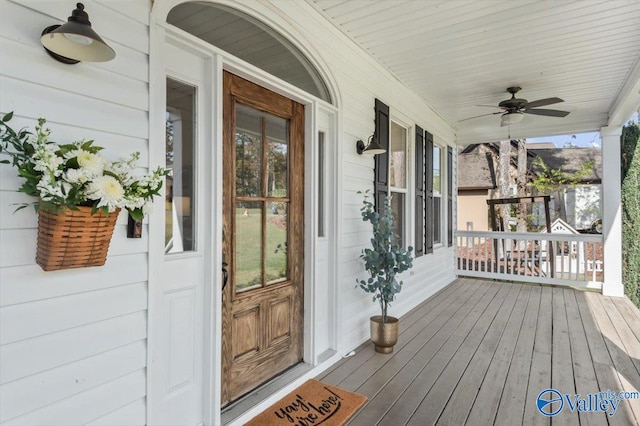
320	301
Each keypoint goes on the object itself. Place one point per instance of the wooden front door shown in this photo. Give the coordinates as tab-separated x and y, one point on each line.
263	235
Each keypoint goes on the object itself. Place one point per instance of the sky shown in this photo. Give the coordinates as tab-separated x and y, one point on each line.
588	140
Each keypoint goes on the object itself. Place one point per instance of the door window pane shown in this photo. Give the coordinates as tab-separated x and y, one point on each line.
277	226
277	156
248	138
248	256
180	134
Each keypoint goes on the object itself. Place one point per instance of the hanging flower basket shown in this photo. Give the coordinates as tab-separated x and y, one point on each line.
79	193
73	238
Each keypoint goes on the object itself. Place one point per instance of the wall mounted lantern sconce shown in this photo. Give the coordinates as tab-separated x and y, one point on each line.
372	147
134	227
76	41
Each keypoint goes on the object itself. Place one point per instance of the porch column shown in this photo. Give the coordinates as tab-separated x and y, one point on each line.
612	211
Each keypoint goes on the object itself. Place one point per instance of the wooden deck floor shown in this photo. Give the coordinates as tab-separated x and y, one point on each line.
479	353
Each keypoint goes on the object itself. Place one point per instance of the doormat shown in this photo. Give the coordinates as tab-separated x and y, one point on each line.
311	404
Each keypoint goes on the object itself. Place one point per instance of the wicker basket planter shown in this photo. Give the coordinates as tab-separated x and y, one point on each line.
73	238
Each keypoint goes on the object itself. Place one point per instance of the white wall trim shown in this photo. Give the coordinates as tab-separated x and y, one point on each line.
160	33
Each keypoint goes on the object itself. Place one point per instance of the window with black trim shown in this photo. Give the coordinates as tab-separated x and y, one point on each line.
437	194
398	178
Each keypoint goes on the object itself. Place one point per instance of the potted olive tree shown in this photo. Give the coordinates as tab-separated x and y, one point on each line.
383	261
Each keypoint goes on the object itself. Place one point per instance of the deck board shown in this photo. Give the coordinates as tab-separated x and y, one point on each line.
562	377
512	402
462	396
602	363
479	353
413	340
485	405
378	405
404	408
583	370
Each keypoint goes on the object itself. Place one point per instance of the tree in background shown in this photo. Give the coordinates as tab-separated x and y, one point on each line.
504	179
522	185
548	181
630	163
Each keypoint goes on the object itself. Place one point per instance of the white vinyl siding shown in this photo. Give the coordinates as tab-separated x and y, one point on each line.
73	343
430	273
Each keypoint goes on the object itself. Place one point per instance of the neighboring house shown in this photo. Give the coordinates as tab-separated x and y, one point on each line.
264	102
476	184
581	205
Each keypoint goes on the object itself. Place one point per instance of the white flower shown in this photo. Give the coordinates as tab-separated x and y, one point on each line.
92	163
45	159
51	189
107	190
146	209
75	176
124	168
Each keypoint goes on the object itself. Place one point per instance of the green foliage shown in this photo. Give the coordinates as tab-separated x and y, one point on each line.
630	141
385	259
548	180
65	176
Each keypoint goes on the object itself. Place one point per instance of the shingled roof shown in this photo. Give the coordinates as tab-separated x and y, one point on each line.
569	160
476	170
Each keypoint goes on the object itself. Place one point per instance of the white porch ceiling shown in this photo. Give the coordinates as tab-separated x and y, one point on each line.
458	54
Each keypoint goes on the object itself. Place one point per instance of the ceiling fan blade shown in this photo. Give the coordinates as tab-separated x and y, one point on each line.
547	112
490	106
543	102
478	116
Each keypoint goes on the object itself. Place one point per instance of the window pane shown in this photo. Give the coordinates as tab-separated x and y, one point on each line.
321	184
398	156
248	254
252	40
179	143
437	225
248	151
397	207
277	243
437	162
277	156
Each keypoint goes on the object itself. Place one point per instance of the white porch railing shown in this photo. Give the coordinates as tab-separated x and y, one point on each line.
568	259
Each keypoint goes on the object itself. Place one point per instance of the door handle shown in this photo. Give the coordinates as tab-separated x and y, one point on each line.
225	275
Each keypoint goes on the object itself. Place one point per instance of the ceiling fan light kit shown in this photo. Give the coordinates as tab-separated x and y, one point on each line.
512	110
511	117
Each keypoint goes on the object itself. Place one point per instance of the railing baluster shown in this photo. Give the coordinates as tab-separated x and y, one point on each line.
530	256
579	262
473	254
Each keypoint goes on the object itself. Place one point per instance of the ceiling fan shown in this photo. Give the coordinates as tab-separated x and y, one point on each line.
513	110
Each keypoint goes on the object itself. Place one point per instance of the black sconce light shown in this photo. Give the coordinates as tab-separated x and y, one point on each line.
76	41
372	147
134	227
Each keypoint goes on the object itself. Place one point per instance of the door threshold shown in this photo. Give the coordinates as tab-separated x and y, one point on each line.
258	395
